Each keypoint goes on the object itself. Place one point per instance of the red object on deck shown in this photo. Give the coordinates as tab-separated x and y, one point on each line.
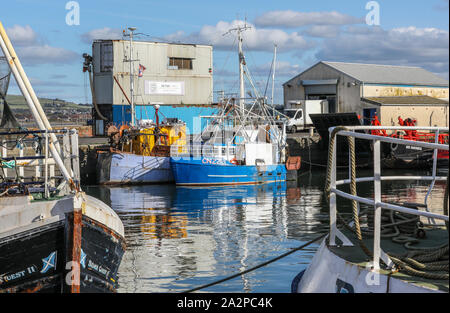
413	134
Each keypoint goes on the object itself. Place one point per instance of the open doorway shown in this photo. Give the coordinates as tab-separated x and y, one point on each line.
331	98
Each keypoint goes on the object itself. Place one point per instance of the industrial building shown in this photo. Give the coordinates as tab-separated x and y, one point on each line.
370	89
168	74
427	111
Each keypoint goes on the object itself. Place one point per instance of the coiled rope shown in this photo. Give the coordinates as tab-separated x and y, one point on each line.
431	263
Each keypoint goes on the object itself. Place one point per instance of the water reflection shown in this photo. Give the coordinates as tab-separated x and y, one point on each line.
182	237
179	238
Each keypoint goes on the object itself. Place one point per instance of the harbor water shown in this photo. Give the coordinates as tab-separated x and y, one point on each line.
179	238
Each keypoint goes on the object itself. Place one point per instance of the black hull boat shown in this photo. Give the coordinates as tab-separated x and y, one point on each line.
67	252
408	157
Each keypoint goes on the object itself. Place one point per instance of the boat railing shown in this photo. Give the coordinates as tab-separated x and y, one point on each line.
376	203
27	166
203	151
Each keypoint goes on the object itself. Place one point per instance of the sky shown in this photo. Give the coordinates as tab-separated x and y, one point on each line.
50	38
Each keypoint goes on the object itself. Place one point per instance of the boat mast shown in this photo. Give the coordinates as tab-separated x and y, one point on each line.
132	29
241	73
273	75
239	31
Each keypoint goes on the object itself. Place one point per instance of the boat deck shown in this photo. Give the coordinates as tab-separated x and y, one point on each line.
434	238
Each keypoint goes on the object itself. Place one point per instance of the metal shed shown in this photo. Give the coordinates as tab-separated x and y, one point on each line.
345	84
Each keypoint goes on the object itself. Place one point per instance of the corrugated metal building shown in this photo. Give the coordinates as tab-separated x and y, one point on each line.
345	85
174	75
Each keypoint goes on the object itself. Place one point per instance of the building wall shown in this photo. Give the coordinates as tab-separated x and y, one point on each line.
198	81
347	92
425	115
403	91
350	91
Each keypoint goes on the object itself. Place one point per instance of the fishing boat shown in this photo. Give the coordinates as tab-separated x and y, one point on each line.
241	144
53	237
138	151
387	246
140	154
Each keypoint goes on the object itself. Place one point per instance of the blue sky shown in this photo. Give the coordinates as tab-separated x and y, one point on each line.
412	33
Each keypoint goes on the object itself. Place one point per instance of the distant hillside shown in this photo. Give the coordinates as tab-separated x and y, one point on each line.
18	102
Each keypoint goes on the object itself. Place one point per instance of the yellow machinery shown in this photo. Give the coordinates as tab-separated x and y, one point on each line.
156	140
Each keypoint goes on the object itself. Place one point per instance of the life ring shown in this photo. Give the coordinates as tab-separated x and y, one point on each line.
234	161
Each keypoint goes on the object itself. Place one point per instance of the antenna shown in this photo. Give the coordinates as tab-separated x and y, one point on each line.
239	29
130	34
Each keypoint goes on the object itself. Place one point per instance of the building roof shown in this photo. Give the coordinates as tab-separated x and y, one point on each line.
389	74
152	42
408	100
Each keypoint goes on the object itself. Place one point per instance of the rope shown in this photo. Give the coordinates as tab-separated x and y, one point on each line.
431	263
258	266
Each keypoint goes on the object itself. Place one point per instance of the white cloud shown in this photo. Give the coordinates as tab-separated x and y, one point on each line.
282	69
255	39
101	33
45	54
409	46
32	51
291	19
21	35
322	31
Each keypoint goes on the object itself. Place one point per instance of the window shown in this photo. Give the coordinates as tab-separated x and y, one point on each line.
290	113
106	59
180	64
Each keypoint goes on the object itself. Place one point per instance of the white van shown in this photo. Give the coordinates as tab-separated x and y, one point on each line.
298	112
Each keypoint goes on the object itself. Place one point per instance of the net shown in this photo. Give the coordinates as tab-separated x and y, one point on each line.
5	74
7	118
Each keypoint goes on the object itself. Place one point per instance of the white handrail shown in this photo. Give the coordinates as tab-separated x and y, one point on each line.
378	205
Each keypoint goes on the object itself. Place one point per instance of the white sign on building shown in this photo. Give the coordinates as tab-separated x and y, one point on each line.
164	88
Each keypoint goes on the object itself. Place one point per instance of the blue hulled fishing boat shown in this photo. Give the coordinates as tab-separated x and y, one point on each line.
221	172
244	143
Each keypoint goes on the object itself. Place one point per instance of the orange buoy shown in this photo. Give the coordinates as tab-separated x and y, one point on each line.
293	163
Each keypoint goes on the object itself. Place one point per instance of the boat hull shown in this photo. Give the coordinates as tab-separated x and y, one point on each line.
328	273
127	168
188	171
408	157
68	252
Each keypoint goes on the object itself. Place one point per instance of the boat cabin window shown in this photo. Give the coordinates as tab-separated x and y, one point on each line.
180	64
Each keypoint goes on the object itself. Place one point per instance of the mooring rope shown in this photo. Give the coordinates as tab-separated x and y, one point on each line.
417	262
257	266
